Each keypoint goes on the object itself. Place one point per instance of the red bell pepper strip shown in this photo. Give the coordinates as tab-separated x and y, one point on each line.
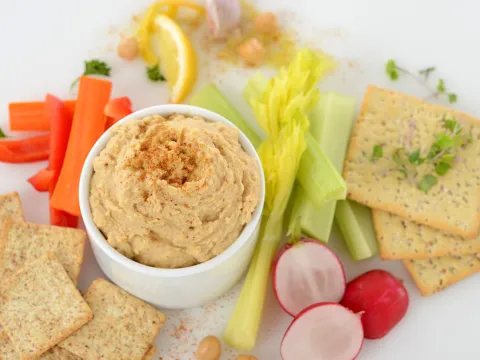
60	117
18	157
42	180
116	109
40	143
36	148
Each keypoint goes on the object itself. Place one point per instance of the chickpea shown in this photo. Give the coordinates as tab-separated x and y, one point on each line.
266	23
128	48
245	357
210	348
252	51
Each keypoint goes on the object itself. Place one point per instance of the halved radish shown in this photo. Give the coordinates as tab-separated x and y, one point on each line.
307	273
325	331
381	298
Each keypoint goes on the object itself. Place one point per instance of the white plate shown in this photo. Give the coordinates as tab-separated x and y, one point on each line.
45	42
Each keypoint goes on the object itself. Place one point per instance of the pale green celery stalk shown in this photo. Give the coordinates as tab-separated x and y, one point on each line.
356	225
330	125
317	175
212	99
282	111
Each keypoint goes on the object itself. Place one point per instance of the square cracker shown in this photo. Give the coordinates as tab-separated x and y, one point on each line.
388	118
10	208
22	242
123	327
399	238
435	274
8	352
150	353
40	306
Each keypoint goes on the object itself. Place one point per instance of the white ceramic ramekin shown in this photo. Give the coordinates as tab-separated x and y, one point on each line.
172	288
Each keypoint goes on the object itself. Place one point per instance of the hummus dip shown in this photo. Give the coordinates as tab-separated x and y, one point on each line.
173	192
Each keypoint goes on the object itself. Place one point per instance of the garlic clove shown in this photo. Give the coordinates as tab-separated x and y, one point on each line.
223	16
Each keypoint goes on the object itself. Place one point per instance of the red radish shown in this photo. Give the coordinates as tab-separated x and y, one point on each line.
381	297
325	331
307	273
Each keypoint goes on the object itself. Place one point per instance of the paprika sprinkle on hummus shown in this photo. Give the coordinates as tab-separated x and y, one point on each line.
173	192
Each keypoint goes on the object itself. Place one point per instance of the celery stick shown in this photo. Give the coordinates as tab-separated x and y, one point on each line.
211	99
316	173
356	224
330	124
282	110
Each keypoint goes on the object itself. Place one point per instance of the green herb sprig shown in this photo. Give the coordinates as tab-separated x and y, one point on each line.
2	134
393	71
377	153
154	74
440	158
94	67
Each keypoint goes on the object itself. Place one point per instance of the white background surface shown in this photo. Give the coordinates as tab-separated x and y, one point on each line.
43	44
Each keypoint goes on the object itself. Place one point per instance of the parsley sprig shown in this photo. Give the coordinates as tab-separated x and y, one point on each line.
94	67
2	134
394	71
439	159
154	74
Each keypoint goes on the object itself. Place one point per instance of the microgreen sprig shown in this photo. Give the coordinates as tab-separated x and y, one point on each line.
393	71
439	159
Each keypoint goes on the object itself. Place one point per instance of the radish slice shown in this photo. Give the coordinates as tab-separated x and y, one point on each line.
324	331
307	273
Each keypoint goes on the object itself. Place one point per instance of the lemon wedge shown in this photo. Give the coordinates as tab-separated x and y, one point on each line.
177	56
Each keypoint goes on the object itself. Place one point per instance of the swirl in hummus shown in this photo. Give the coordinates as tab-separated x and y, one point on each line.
173	192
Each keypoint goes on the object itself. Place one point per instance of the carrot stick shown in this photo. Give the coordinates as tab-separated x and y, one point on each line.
88	125
30	116
27	116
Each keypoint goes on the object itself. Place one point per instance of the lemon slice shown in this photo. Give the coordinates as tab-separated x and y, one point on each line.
177	56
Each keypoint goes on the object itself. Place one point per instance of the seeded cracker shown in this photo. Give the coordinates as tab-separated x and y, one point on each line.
40	307
57	353
392	121
150	353
399	238
7	351
433	275
10	208
123	327
21	243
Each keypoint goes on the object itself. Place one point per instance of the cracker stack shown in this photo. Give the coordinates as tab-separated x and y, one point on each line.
42	314
435	233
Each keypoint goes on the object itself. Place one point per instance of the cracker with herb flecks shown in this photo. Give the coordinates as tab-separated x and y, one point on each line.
22	242
123	327
10	208
57	353
399	238
396	162
150	353
40	306
7	351
435	274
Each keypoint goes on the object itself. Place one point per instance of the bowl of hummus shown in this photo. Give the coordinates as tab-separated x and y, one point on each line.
172	198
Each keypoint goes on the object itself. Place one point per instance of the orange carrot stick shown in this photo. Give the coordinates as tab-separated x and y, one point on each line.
30	116
27	116
88	125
